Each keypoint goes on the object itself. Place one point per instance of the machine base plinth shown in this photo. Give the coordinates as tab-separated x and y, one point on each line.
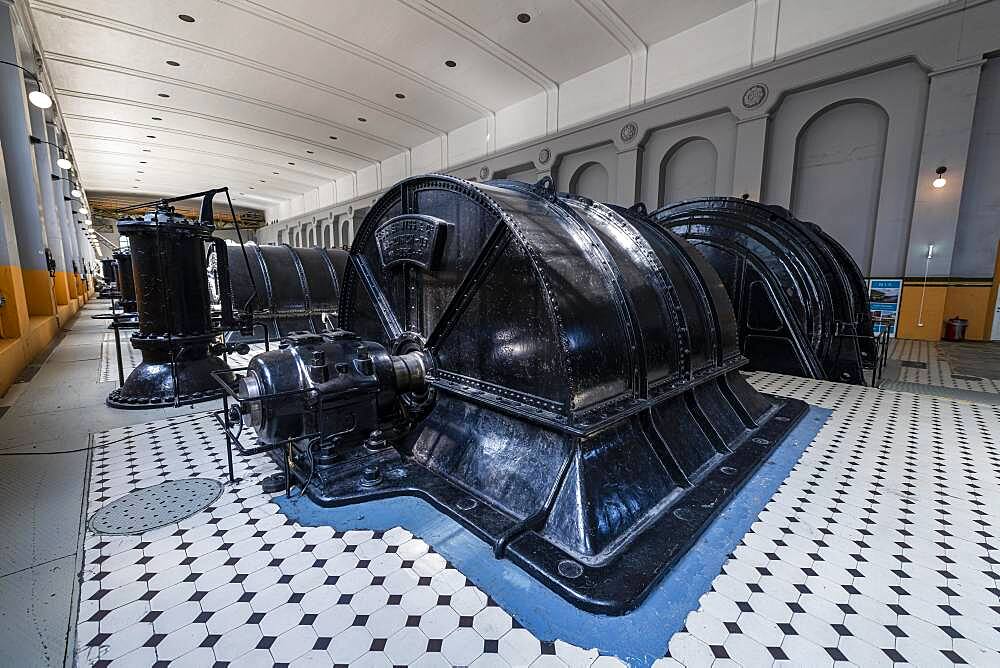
273	483
613	586
151	384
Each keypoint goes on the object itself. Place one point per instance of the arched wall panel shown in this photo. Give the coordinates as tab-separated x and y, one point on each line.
663	143
842	150
902	92
591	180
688	171
979	216
567	166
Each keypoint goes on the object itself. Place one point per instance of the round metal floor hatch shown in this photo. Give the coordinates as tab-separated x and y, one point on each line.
156	506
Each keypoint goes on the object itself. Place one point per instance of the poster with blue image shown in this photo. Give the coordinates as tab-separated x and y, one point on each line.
883	303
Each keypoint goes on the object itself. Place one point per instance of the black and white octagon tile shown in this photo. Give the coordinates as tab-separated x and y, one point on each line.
880	548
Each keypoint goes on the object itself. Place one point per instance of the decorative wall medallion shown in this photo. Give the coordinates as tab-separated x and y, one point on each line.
629	131
754	95
544	155
484	173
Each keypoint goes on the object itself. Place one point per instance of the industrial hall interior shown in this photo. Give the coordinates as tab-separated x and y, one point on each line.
485	333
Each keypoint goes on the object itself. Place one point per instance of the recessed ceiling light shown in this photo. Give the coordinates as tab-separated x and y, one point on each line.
163	94
151	136
173	63
251	187
135	186
450	63
263	181
186	18
275	172
310	152
291	163
334	138
147	150
139	171
523	18
142	162
157	118
362	119
400	96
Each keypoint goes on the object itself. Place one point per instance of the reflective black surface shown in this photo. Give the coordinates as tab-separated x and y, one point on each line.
285	288
126	281
584	412
167	254
800	299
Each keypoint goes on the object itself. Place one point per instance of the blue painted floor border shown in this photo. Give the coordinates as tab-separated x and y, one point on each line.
638	638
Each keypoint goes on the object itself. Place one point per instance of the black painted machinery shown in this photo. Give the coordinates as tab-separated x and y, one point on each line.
126	282
109	278
280	289
559	378
800	299
166	268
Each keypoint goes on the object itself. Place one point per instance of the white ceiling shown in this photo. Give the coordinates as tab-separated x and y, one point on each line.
269	95
261	84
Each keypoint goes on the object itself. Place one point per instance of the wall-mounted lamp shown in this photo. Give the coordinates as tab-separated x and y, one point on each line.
83	209
76	193
62	162
940	181
35	97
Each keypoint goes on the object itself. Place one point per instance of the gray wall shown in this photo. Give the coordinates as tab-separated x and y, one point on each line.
979	215
842	150
847	135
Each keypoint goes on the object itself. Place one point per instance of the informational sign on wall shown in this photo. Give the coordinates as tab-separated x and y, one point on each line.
883	302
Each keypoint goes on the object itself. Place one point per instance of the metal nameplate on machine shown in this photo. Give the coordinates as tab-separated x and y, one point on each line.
411	239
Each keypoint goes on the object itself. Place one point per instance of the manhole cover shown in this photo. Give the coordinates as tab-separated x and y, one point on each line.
156	506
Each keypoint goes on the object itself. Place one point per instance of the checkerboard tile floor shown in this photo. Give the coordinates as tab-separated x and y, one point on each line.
881	548
926	362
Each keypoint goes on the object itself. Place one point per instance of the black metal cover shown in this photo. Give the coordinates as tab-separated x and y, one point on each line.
800	299
126	281
585	414
175	328
286	288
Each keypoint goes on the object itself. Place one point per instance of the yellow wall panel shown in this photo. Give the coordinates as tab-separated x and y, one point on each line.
971	302
933	312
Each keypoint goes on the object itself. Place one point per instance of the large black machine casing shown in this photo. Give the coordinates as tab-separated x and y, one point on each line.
175	330
126	281
109	277
800	299
282	289
560	379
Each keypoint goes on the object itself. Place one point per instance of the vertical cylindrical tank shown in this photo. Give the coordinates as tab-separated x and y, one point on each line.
126	282
169	266
175	332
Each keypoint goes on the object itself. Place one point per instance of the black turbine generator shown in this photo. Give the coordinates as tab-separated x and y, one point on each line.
801	301
561	379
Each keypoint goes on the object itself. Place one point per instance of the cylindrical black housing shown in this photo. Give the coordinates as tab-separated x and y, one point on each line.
175	327
108	269
171	289
286	289
126	282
